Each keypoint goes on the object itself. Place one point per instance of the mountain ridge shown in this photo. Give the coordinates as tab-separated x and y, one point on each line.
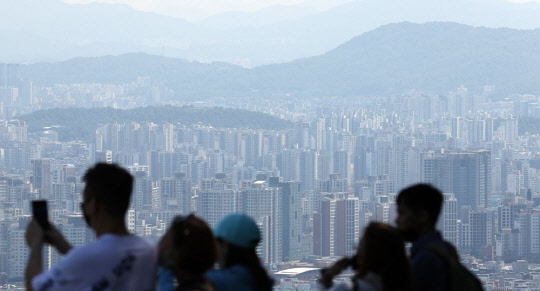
433	57
249	39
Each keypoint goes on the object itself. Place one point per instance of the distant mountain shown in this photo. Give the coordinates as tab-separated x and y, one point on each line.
189	79
271	35
71	30
80	123
433	57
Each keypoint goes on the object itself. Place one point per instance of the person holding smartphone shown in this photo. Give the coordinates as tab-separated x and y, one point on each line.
117	260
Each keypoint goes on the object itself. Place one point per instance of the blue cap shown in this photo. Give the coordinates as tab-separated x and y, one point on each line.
239	230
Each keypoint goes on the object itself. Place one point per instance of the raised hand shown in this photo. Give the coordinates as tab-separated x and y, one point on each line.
34	234
55	238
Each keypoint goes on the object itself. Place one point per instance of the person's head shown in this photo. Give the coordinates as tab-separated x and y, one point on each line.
188	246
238	236
236	233
382	251
107	192
418	209
239	230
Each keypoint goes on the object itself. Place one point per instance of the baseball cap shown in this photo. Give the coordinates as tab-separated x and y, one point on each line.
239	230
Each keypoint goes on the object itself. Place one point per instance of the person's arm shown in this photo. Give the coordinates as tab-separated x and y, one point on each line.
55	238
35	238
328	274
68	274
34	266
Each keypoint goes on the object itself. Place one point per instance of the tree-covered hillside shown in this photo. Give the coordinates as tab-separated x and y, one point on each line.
81	123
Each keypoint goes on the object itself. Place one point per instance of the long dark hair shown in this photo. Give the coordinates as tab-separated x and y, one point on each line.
248	258
193	239
382	251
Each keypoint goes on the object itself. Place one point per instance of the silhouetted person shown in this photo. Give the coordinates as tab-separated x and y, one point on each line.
239	266
237	237
188	250
418	209
117	260
380	263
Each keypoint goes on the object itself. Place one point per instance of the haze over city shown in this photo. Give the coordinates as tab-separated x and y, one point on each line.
247	33
310	117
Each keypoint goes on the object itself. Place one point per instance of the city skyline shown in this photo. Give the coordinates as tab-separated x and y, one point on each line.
308	116
311	185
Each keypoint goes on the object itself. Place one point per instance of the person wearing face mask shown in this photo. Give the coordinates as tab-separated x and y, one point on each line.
186	252
117	260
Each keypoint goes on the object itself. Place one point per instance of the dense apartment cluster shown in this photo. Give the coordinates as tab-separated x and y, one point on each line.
311	188
19	95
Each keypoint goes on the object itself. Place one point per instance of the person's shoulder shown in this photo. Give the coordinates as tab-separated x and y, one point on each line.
428	259
360	284
429	244
88	250
236	269
78	257
239	269
139	241
345	286
109	244
451	250
131	241
431	261
236	275
230	273
441	249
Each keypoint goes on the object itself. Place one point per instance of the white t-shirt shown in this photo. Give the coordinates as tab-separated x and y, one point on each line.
111	263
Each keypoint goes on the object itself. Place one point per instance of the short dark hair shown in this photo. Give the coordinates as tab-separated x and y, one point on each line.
111	186
422	197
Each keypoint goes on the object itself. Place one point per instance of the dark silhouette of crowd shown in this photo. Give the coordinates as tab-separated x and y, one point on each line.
192	256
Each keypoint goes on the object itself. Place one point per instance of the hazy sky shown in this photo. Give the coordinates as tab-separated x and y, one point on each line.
198	9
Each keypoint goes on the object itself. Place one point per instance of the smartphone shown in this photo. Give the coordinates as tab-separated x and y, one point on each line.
40	213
